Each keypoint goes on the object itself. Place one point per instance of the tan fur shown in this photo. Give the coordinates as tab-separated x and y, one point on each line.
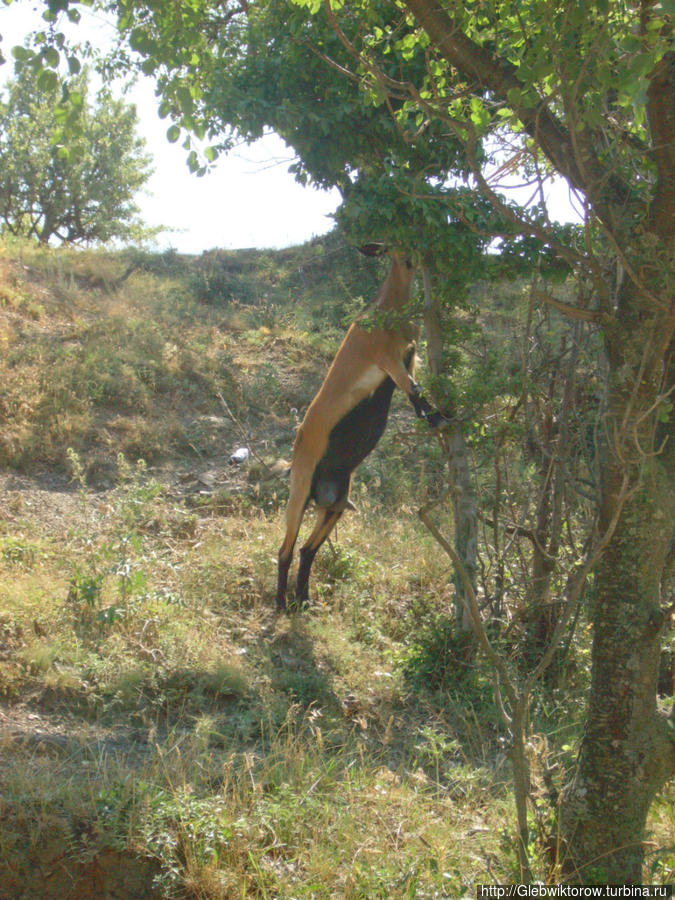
365	357
349	379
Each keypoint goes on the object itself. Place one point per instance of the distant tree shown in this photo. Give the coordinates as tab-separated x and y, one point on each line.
68	171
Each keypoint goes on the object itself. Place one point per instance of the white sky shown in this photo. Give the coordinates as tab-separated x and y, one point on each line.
248	200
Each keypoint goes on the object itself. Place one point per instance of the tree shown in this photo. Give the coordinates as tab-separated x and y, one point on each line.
598	107
68	170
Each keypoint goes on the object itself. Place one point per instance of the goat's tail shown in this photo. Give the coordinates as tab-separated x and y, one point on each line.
281	468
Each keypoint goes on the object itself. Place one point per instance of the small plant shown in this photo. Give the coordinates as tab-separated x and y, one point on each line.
434	749
265	390
85	588
344	564
78	475
436	655
136	493
85	598
19	552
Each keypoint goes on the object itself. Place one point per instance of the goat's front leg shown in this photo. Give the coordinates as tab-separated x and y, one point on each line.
403	379
424	410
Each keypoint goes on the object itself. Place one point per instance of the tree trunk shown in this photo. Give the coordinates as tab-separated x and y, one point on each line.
627	752
628	749
457	452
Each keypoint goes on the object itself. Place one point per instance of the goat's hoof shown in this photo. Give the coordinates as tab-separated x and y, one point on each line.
438	421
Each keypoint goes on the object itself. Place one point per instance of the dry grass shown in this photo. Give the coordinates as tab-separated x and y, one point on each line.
248	755
164	732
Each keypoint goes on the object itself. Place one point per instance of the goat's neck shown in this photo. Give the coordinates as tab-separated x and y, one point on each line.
395	292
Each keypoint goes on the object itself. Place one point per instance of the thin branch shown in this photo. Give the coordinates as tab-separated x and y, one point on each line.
575	586
576	583
470	595
501	77
523	225
568	309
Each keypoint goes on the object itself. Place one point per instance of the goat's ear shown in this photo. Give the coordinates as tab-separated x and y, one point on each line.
373	249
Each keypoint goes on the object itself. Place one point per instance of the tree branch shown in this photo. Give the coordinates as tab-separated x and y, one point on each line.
500	77
568	309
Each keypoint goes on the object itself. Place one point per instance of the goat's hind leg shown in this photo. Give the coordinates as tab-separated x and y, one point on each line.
301	479
285	557
326	521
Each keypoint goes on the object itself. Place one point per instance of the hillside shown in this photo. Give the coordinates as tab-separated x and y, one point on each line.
164	732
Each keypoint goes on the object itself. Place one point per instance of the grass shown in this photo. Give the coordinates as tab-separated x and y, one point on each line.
165	733
135	370
246	755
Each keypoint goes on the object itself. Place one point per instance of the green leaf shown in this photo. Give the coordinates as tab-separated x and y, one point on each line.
74	65
51	57
193	161
664	411
479	114
47	80
140	40
173	133
185	100
149	66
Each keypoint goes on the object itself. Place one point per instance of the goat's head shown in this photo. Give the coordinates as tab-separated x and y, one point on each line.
376	249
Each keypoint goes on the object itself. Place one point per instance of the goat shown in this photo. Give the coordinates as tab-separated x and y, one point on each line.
348	415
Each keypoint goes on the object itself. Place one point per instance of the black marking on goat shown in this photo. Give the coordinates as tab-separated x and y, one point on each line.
350	442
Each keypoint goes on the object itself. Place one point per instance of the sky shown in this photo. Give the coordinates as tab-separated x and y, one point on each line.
249	199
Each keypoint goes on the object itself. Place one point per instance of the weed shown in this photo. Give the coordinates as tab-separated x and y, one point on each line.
134	498
20	552
437	656
39	656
